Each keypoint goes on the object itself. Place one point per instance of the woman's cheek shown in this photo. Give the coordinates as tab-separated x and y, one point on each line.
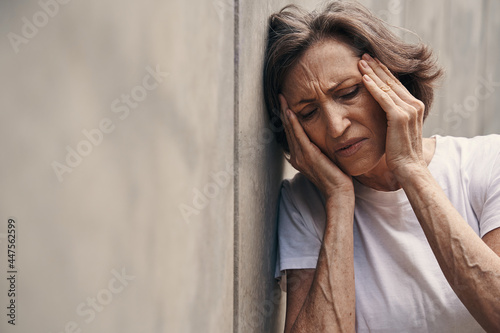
306	125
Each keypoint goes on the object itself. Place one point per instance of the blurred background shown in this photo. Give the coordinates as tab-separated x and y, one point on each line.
139	166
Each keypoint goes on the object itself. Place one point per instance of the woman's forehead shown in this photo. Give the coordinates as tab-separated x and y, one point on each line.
329	53
329	63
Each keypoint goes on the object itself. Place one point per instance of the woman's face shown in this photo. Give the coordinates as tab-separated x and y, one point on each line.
325	90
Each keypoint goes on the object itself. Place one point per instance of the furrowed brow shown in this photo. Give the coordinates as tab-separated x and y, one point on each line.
331	89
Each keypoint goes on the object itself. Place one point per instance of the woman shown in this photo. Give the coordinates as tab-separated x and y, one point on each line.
382	230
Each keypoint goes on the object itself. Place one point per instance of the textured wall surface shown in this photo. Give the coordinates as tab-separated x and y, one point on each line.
139	166
260	305
116	209
464	35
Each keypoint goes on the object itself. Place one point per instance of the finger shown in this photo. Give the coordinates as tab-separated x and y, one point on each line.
399	88
383	73
296	134
290	136
283	104
383	98
296	128
384	83
402	91
386	80
383	94
305	150
390	75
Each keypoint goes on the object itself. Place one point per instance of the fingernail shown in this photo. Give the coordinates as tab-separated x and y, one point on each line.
288	113
367	57
364	64
367	78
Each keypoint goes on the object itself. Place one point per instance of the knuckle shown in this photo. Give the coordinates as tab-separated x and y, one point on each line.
420	105
385	97
403	117
412	110
297	162
417	104
382	66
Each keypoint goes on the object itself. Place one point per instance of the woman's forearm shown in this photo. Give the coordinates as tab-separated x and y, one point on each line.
330	303
470	266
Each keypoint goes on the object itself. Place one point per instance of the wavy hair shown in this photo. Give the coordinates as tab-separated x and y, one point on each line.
294	30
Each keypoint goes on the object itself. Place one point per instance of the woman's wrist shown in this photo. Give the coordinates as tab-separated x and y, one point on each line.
408	173
340	199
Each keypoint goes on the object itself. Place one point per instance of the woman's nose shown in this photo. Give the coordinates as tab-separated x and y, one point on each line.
337	120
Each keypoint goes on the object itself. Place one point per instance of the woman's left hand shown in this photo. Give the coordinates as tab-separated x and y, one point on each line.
404	113
454	243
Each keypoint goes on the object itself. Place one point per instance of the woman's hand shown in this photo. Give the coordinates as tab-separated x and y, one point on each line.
306	157
325	300
404	149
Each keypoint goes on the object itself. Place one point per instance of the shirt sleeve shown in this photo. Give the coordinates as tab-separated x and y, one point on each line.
298	240
490	217
485	173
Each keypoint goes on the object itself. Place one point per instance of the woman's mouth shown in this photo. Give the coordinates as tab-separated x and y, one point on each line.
349	147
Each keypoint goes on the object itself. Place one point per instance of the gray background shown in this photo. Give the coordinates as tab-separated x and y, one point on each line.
120	208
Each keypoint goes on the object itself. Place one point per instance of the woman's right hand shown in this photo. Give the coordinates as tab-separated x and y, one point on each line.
307	158
326	296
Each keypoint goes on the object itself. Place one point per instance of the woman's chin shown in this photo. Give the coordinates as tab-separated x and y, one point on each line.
363	166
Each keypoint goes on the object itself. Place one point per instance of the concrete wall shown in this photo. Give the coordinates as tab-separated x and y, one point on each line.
117	211
138	163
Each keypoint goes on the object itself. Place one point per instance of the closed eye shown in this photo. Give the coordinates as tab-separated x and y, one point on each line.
351	93
309	114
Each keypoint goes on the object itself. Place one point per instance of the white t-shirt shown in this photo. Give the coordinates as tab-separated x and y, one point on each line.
399	284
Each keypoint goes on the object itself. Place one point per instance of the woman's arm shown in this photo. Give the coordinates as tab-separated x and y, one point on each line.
327	303
492	239
470	266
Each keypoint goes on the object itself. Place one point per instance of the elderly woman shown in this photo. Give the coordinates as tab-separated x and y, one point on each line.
382	230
